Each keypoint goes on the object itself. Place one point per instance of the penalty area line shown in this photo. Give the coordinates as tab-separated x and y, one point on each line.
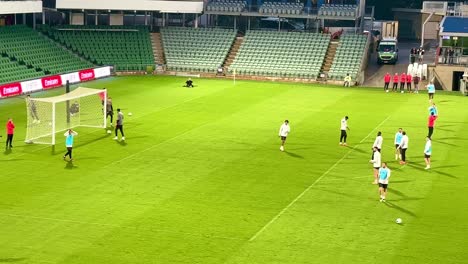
313	183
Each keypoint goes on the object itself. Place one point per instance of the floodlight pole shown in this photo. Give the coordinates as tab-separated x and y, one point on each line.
424	28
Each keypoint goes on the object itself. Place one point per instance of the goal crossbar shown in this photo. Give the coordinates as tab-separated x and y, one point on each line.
75	94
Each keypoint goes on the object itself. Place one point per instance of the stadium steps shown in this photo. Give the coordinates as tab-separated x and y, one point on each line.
331	51
233	52
158	50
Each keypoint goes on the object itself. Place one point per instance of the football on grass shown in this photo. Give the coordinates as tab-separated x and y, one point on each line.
399	221
130	114
108	131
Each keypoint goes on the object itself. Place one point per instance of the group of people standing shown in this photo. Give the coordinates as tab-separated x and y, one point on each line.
417	53
400	81
380	170
69	134
449	55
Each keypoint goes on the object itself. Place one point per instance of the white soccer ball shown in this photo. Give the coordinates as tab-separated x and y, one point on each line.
130	114
386	91
402	91
399	221
108	131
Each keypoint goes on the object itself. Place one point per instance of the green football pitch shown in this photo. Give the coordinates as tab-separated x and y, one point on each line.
200	179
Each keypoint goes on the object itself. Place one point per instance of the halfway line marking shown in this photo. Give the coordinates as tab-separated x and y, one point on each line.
313	184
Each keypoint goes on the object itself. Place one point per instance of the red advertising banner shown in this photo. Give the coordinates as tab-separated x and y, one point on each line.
11	89
51	82
17	88
86	75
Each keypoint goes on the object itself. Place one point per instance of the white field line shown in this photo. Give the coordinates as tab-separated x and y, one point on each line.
16	216
314	183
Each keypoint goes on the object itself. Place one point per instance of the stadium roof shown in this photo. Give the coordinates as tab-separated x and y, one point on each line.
454	26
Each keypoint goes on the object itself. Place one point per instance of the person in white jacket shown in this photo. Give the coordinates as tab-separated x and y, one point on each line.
403	147
284	132
378	141
376	163
428	152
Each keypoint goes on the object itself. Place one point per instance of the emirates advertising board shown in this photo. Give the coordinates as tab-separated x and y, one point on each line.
49	82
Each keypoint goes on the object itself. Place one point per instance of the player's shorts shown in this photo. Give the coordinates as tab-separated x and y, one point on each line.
118	126
343	133
427	156
376	168
397	145
431	95
384	186
283	138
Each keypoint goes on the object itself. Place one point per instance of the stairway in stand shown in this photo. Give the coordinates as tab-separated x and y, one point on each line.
233	52
158	50
331	51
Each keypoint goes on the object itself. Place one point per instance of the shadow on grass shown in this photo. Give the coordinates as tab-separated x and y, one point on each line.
416	166
92	141
445	129
408	199
445	143
11	260
294	155
338	193
454	138
390	190
403	181
122	143
7	151
444	174
448	166
69	165
399	208
363	151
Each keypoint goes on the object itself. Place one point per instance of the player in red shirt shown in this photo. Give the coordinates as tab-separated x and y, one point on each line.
402	82
395	82
430	124
10	130
387	79
409	80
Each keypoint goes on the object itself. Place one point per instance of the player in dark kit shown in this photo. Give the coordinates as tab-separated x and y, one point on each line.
119	126
110	110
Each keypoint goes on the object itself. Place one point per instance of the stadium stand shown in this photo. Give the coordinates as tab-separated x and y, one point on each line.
126	48
281	54
26	46
12	71
226	6
338	10
281	8
349	56
196	49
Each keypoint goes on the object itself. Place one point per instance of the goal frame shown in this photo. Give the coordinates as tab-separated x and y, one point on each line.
77	93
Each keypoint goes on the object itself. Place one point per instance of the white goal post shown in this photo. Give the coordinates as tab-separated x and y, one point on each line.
47	116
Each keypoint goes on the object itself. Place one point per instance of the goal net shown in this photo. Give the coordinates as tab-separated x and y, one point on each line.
48	116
